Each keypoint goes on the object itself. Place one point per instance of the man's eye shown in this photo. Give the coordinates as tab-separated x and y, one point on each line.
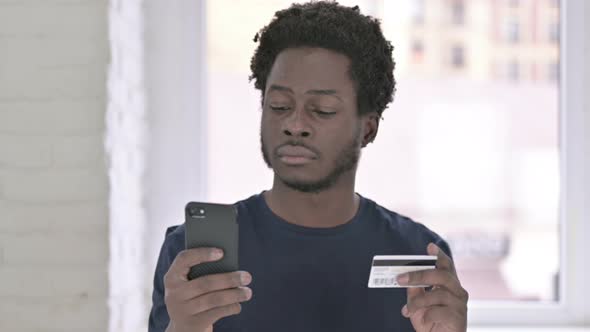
323	113
279	108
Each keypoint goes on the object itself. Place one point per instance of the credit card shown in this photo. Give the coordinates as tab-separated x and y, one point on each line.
385	269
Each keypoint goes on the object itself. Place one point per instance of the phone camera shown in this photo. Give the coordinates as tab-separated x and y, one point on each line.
196	212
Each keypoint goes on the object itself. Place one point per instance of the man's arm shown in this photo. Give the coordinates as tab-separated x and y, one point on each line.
180	304
159	319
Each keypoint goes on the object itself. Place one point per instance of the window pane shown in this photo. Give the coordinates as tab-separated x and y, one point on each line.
458	59
458	12
469	147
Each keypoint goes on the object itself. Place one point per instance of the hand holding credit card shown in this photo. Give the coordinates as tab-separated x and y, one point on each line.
443	307
386	268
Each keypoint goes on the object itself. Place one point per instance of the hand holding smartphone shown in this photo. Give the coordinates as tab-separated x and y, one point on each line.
212	288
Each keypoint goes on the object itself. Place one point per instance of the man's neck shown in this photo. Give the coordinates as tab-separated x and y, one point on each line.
334	206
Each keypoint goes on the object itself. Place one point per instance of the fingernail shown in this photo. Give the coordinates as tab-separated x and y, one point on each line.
217	253
403	278
247	293
245	278
434	247
405	310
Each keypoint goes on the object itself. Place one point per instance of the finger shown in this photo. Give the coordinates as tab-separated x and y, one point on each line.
180	267
219	299
412	293
438	297
443	261
214	282
439	314
213	315
435	277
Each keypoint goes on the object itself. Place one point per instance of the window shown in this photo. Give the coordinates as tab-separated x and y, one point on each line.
458	12
492	164
553	32
513	71
417	12
493	192
513	31
553	70
417	51
457	57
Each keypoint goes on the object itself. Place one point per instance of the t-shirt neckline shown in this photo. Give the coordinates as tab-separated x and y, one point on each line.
285	225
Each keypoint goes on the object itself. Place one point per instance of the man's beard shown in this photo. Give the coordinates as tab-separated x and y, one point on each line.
346	160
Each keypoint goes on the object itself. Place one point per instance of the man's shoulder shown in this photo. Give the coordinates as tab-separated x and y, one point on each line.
392	218
405	226
174	240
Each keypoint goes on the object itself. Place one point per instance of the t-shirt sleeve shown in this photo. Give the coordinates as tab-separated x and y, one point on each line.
433	237
159	319
444	246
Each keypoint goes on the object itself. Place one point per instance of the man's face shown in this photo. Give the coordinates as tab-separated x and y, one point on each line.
310	132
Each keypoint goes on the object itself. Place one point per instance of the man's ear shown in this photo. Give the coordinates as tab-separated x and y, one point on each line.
370	128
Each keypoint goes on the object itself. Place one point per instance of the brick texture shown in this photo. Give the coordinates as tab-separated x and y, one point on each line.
54	246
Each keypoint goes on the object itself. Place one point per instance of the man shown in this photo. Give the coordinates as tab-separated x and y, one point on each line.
325	73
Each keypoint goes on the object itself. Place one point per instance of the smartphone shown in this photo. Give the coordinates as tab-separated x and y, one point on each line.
212	225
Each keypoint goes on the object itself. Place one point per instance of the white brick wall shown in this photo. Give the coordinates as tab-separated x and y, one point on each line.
54	245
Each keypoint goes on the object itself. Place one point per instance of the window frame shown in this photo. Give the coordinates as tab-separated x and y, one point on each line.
571	309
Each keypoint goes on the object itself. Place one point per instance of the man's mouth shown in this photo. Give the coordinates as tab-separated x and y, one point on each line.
295	155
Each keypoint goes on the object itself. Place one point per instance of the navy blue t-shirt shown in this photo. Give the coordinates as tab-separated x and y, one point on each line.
310	279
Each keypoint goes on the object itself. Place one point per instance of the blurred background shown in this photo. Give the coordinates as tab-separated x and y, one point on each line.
469	146
114	114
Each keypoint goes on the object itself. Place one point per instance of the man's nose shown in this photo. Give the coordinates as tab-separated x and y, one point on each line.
296	124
